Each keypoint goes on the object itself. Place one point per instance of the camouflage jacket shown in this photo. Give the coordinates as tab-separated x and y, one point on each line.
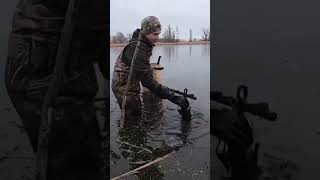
35	36
142	70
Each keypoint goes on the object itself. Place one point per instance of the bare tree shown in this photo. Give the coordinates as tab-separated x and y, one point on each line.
173	36
169	34
113	39
119	38
129	36
190	35
205	34
177	34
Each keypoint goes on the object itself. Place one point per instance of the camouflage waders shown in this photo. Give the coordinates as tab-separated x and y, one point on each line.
119	81
74	138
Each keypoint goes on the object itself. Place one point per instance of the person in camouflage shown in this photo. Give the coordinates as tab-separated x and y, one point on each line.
142	72
74	138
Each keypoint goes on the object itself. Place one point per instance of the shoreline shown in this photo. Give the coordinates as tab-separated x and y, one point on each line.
165	43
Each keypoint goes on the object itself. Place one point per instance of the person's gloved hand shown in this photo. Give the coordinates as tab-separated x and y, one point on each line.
180	101
228	126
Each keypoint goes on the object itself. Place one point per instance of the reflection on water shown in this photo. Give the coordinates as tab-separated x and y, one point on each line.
170	52
160	129
205	51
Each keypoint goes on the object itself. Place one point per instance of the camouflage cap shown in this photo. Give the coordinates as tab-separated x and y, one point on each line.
150	24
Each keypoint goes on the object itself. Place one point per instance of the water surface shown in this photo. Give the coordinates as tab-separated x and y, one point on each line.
185	66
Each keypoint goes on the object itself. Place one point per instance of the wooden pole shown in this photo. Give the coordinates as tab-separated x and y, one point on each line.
124	99
53	91
144	166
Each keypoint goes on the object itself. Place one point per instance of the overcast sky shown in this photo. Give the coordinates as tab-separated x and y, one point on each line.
126	15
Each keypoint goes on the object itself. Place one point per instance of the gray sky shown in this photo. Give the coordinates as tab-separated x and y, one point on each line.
126	15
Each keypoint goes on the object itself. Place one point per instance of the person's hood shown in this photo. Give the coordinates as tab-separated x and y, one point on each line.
135	36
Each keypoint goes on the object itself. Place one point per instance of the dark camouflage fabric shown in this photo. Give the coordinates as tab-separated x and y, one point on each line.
74	139
142	71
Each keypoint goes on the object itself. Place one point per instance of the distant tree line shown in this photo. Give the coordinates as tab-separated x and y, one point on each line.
169	34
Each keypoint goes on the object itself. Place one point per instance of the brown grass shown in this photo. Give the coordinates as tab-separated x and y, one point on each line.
165	43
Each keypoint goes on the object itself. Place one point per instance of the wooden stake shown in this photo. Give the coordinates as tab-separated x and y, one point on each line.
144	166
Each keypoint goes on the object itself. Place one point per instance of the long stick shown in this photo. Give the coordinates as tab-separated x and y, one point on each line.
124	99
121	142
144	166
53	90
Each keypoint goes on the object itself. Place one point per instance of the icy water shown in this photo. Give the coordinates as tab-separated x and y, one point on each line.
162	131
